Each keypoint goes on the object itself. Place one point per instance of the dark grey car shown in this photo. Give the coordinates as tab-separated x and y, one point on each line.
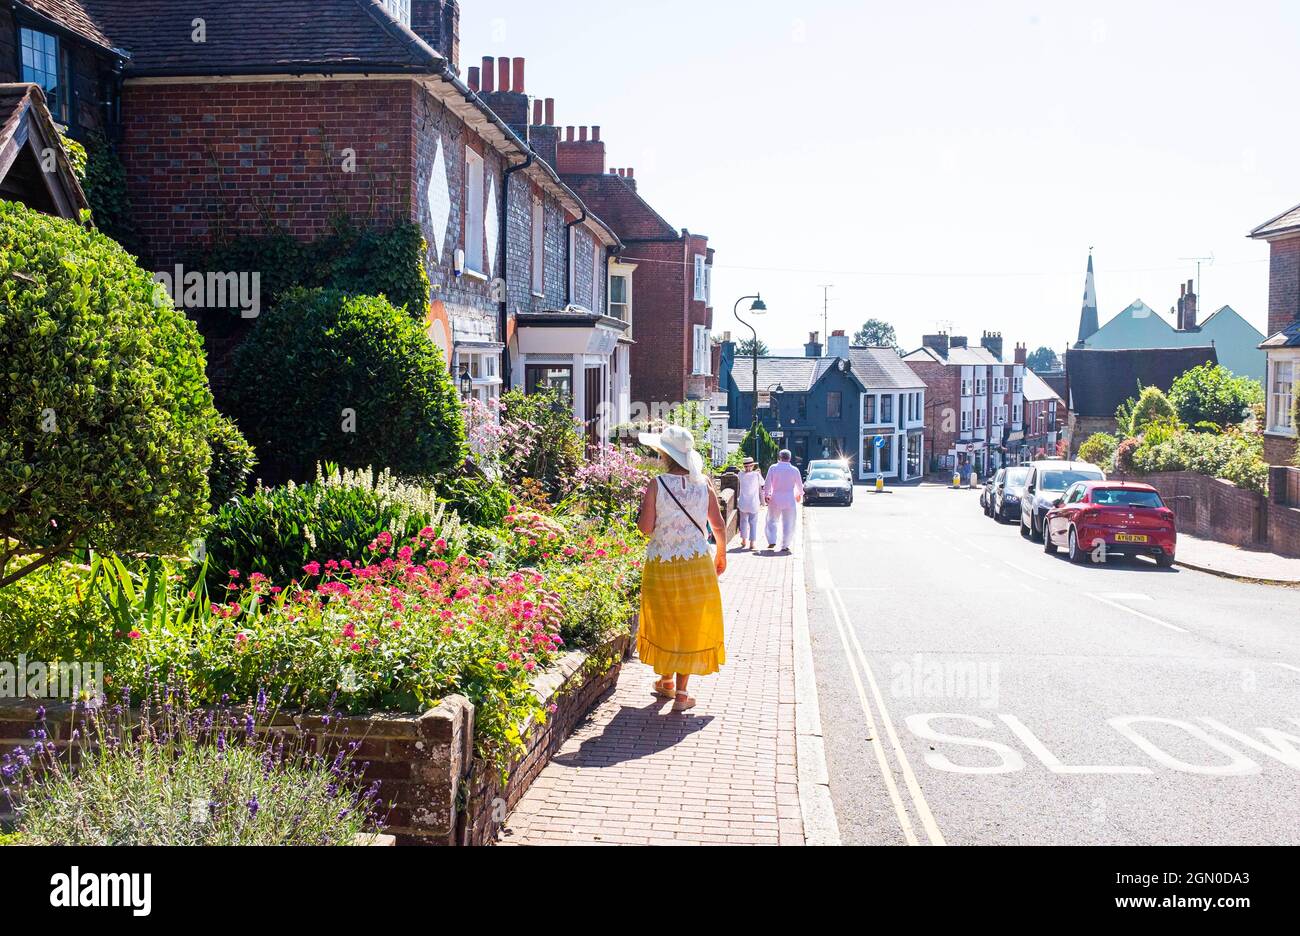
1006	503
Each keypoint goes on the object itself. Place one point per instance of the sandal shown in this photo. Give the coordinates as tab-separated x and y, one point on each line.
683	702
663	689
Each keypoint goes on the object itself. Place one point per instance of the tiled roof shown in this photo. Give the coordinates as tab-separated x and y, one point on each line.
28	100
977	355
1100	380
611	197
1289	337
256	36
883	369
794	374
72	16
1285	223
1036	389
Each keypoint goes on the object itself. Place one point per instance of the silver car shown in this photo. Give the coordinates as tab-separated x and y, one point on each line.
828	486
1048	479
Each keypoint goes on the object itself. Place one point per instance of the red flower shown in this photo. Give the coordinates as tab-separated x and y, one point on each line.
135	635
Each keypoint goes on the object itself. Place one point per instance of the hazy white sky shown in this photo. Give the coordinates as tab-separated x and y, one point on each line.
942	162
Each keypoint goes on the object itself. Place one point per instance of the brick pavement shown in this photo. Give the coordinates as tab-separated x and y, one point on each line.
637	773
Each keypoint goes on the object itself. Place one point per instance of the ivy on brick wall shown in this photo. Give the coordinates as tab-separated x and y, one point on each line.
103	179
352	259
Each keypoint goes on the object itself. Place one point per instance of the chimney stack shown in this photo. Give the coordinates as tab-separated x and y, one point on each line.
992	343
508	101
937	343
1022	353
583	156
837	346
437	22
813	348
1189	308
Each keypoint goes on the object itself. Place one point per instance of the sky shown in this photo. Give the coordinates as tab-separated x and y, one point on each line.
940	165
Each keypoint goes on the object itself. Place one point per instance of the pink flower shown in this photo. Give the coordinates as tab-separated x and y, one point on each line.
312	568
502	667
356	648
135	635
233	573
349	630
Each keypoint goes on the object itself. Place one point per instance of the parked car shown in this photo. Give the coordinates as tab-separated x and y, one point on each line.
1111	518
989	489
1048	480
1006	503
828	485
838	464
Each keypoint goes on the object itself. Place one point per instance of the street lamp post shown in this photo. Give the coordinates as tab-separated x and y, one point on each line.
757	307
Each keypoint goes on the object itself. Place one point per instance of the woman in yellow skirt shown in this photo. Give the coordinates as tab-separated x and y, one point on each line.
680	632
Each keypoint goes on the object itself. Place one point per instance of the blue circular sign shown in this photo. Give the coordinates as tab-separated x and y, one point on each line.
879	441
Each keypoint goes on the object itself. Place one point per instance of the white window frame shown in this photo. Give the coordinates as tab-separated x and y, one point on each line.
1016	413
702	359
979	417
701	289
967	388
708	285
625	307
539	246
475	212
981	386
400	10
966	422
1018	385
1281	395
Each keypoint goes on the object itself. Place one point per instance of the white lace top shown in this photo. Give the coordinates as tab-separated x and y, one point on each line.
674	536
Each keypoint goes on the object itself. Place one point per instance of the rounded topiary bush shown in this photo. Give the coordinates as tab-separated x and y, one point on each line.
105	411
233	460
353	380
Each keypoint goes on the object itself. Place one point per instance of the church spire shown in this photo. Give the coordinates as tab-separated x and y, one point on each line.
1088	323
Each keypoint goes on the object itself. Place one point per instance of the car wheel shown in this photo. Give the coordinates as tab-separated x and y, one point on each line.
1076	553
1024	531
1164	560
1048	546
1035	531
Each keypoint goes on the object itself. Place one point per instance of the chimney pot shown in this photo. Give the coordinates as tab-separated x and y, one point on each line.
488	76
503	74
568	134
473	78
582	134
595	134
518	83
537	112
550	112
630	172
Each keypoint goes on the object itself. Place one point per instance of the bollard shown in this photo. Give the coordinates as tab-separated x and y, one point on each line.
880	483
956	480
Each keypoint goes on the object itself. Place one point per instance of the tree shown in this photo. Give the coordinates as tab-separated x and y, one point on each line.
105	412
746	348
1044	359
875	333
767	447
1213	394
1099	449
351	380
1151	405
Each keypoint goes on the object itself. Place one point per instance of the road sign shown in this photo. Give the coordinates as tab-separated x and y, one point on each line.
879	442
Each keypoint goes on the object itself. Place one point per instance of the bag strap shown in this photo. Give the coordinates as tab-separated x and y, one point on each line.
664	485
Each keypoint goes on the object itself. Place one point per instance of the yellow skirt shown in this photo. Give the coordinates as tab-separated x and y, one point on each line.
681	617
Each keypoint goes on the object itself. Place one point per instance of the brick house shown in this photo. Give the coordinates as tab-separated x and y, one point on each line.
975	404
242	117
1045	415
1282	347
670	306
833	405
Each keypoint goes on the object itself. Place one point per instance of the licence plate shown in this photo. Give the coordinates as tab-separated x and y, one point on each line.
825	493
1130	538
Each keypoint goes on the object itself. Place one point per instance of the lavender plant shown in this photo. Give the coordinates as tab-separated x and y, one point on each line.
175	774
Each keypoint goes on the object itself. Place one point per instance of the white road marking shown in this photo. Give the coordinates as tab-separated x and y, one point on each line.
1127	596
1289	666
905	766
1023	570
1145	617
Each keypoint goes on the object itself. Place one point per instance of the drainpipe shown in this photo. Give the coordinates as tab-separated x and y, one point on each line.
568	256
503	314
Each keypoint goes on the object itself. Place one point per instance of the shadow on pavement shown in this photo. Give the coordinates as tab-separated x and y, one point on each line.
634	733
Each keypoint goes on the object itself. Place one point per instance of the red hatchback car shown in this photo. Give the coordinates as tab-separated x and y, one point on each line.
1111	518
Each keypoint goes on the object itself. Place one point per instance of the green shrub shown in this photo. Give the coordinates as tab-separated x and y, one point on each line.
1233	456
482	502
53	615
1124	453
1099	449
276	531
1152	405
351	380
767	447
123	783
233	460
105	411
1213	394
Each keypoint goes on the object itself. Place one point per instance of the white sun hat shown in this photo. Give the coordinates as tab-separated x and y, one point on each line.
678	443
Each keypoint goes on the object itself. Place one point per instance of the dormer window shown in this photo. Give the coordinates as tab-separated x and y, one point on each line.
45	63
400	10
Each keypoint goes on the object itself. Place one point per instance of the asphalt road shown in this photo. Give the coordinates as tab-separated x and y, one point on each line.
974	690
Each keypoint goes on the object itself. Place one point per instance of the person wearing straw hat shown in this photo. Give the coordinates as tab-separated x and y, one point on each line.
680	631
749	502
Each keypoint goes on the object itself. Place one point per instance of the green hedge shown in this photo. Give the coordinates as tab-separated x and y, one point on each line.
1233	456
350	380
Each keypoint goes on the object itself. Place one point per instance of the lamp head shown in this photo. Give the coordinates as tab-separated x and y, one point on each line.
758	307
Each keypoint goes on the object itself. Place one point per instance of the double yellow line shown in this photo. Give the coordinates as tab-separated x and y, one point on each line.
868	692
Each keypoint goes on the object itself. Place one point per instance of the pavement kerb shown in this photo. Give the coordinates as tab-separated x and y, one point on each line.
819	823
1251	579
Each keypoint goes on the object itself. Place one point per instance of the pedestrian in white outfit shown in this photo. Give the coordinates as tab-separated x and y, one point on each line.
749	502
782	492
